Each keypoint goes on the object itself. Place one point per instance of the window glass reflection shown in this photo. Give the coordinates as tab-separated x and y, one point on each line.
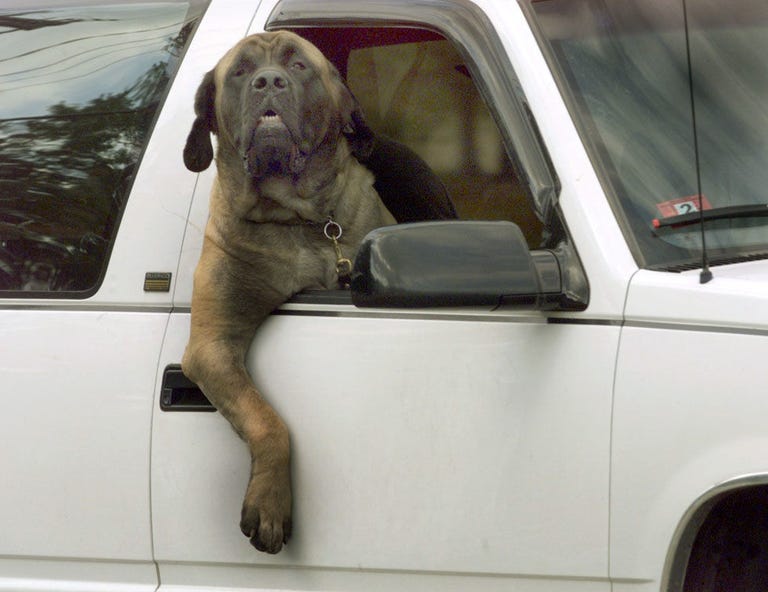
79	89
628	68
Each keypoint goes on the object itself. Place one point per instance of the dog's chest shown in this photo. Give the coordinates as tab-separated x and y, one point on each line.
318	262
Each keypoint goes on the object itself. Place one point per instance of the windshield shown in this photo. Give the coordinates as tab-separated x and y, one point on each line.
670	114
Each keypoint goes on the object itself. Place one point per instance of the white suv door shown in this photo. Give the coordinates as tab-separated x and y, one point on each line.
432	449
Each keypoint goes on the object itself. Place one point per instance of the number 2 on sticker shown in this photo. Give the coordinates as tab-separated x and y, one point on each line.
686	207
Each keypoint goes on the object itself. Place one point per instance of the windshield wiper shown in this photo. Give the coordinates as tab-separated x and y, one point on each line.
724	213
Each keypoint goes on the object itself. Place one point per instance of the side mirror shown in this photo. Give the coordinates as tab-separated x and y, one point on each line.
456	263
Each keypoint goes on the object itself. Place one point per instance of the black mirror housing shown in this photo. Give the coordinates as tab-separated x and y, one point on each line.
454	263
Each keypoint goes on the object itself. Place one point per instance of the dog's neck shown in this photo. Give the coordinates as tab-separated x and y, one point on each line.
285	199
281	199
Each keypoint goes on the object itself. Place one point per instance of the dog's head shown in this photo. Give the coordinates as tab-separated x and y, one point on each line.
276	101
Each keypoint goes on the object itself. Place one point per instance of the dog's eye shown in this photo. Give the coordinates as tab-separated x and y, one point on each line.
241	69
299	66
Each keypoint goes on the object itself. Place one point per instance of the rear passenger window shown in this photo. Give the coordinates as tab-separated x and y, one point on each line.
80	87
414	88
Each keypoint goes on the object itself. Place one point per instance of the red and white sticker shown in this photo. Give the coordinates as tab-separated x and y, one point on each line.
683	205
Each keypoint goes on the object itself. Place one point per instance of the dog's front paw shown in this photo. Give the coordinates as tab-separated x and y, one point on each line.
266	515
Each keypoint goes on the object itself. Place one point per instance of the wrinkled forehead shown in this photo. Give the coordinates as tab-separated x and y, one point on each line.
275	48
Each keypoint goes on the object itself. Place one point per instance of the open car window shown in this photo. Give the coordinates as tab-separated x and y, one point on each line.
415	89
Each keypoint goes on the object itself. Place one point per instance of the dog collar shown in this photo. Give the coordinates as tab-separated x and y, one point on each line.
333	231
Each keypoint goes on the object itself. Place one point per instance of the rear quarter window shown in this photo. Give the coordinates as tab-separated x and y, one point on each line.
79	91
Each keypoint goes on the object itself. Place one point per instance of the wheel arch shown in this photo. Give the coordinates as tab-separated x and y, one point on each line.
696	520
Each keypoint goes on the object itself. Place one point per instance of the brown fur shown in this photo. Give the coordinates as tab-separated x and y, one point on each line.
277	184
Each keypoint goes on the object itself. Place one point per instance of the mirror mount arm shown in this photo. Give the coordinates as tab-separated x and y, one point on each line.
563	285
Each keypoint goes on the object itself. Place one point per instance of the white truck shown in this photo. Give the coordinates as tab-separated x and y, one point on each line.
580	409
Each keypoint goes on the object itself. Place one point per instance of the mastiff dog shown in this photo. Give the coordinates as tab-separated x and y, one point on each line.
289	206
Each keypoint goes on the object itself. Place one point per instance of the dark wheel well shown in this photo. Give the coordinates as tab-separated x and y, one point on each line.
730	550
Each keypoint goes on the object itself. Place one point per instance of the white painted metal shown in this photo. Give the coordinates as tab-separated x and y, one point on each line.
76	390
689	403
33	574
419	446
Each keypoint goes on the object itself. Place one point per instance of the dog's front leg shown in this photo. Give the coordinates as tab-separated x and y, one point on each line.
219	371
227	307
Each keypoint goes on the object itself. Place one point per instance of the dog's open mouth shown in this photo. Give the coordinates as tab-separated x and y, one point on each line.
271	149
270	119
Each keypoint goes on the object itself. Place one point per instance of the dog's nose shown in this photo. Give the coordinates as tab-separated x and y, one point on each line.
267	79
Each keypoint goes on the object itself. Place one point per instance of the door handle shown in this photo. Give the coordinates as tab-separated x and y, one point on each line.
179	393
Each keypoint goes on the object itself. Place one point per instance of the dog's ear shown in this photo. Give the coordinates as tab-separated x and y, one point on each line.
353	126
198	151
359	136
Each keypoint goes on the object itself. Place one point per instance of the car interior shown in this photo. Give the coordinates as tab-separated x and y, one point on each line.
418	96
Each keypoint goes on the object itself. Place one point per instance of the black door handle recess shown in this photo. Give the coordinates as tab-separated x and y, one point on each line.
179	393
